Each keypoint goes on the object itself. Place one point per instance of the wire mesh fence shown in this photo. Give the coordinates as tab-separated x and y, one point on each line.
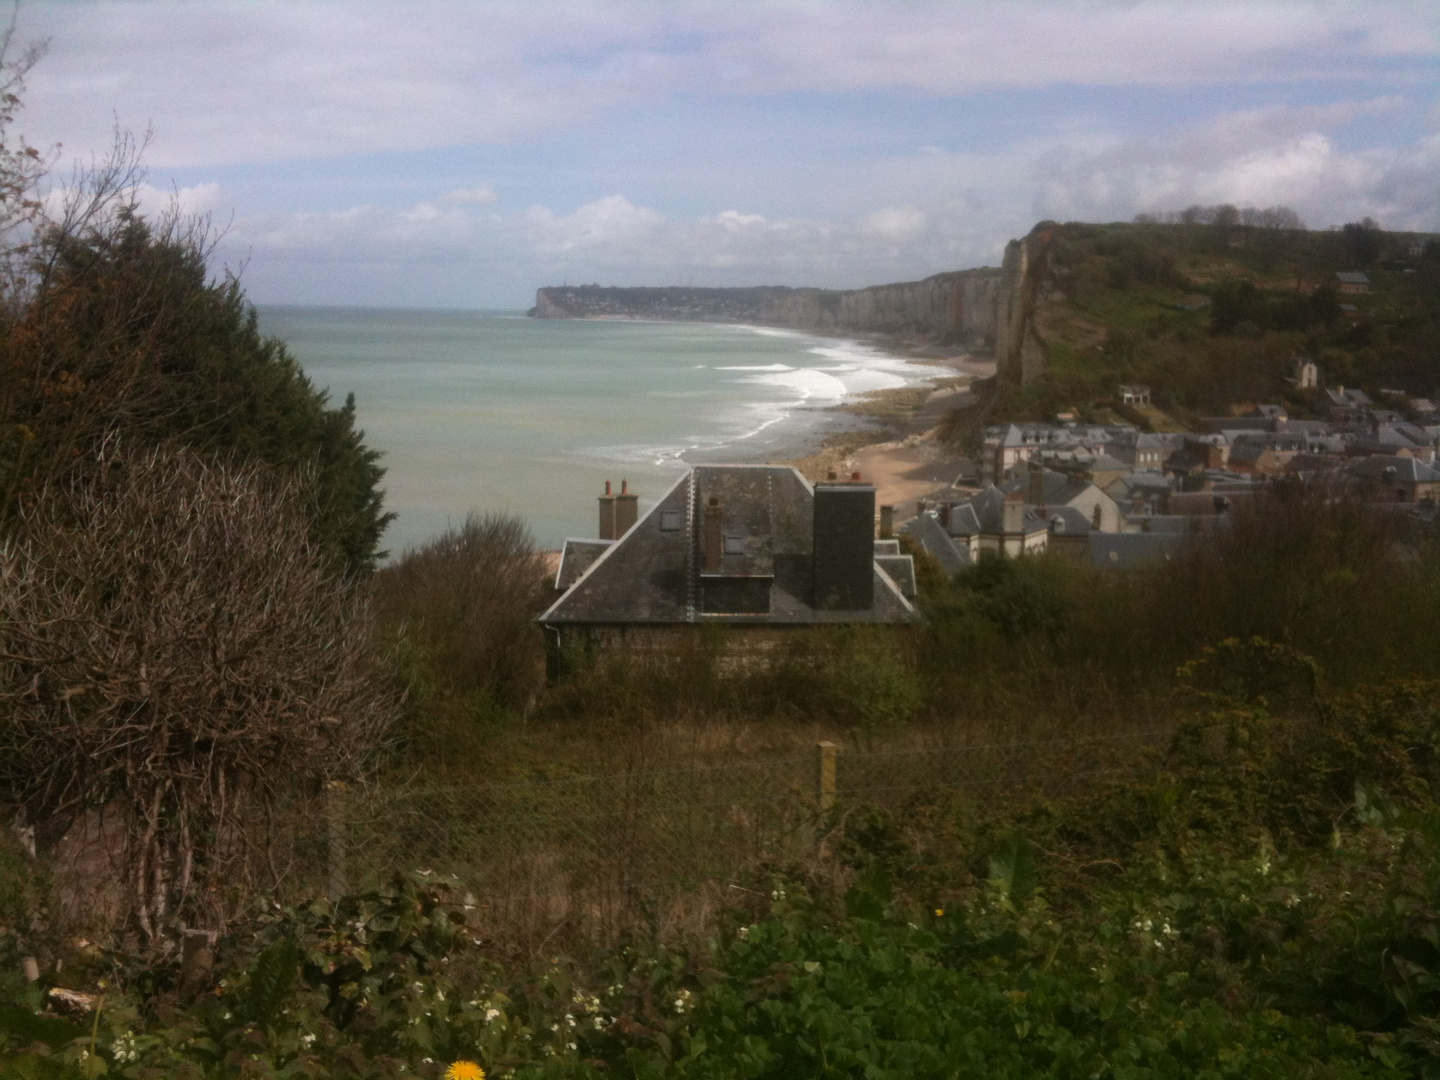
597	851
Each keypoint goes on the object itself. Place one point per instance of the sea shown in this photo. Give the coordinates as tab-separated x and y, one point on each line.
494	412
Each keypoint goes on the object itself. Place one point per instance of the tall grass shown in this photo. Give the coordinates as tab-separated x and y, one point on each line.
1025	674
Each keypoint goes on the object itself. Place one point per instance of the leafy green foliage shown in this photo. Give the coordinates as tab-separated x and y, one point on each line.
1209	314
1260	899
128	339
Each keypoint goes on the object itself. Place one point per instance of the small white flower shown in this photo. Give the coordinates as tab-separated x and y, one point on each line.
743	933
307	1040
491	1014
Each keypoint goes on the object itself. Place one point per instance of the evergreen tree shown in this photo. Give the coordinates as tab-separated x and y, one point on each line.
120	337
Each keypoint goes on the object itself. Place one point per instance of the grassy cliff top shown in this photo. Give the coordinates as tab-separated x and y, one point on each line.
1210	316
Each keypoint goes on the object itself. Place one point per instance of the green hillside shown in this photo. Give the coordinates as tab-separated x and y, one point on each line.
1209	315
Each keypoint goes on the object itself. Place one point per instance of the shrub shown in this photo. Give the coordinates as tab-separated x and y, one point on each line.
177	652
462	609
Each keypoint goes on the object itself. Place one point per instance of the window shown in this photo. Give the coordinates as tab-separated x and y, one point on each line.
669	520
734	545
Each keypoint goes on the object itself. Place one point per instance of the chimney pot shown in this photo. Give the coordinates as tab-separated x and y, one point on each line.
627	509
607	515
855	478
831	475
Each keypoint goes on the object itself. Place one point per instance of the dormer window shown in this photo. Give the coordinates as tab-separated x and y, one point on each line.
734	545
669	520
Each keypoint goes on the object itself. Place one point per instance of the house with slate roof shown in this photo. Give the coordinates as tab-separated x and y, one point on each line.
1130	551
1348	405
1397	479
989	522
1352	281
1141	493
1043	488
754	547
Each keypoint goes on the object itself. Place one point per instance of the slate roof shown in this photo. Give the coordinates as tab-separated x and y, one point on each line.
1146	482
1127	551
985	513
1309	427
931	535
651	574
1349	397
1056	489
1352	277
1407	470
901	570
1171	524
1064	520
575	558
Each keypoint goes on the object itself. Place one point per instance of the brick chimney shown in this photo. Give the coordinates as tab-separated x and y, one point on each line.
607	514
627	509
1013	516
714	539
887	522
1036	494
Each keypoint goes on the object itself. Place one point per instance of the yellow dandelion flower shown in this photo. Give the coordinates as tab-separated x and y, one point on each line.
464	1070
939	912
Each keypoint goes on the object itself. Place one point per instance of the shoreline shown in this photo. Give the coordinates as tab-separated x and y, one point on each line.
893	442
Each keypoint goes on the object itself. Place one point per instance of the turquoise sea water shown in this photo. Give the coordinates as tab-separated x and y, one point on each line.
492	411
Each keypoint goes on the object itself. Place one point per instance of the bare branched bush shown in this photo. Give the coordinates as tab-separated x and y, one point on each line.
174	653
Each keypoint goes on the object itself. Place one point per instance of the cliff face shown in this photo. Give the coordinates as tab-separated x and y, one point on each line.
981	309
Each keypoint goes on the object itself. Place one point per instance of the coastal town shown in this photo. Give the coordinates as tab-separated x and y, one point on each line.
1115	495
756	545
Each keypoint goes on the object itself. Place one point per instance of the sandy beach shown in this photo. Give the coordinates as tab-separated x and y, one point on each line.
902	456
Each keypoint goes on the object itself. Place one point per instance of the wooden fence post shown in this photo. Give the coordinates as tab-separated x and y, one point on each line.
197	957
824	776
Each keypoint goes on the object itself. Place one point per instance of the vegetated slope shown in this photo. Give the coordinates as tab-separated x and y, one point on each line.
1210	315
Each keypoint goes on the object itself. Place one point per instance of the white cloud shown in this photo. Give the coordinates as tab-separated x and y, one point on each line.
894	223
1255	158
953	210
238	81
475	195
615	241
197	200
613	223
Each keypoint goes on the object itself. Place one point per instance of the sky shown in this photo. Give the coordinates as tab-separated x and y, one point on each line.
444	154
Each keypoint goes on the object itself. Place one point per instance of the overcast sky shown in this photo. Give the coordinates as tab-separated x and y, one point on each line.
462	154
